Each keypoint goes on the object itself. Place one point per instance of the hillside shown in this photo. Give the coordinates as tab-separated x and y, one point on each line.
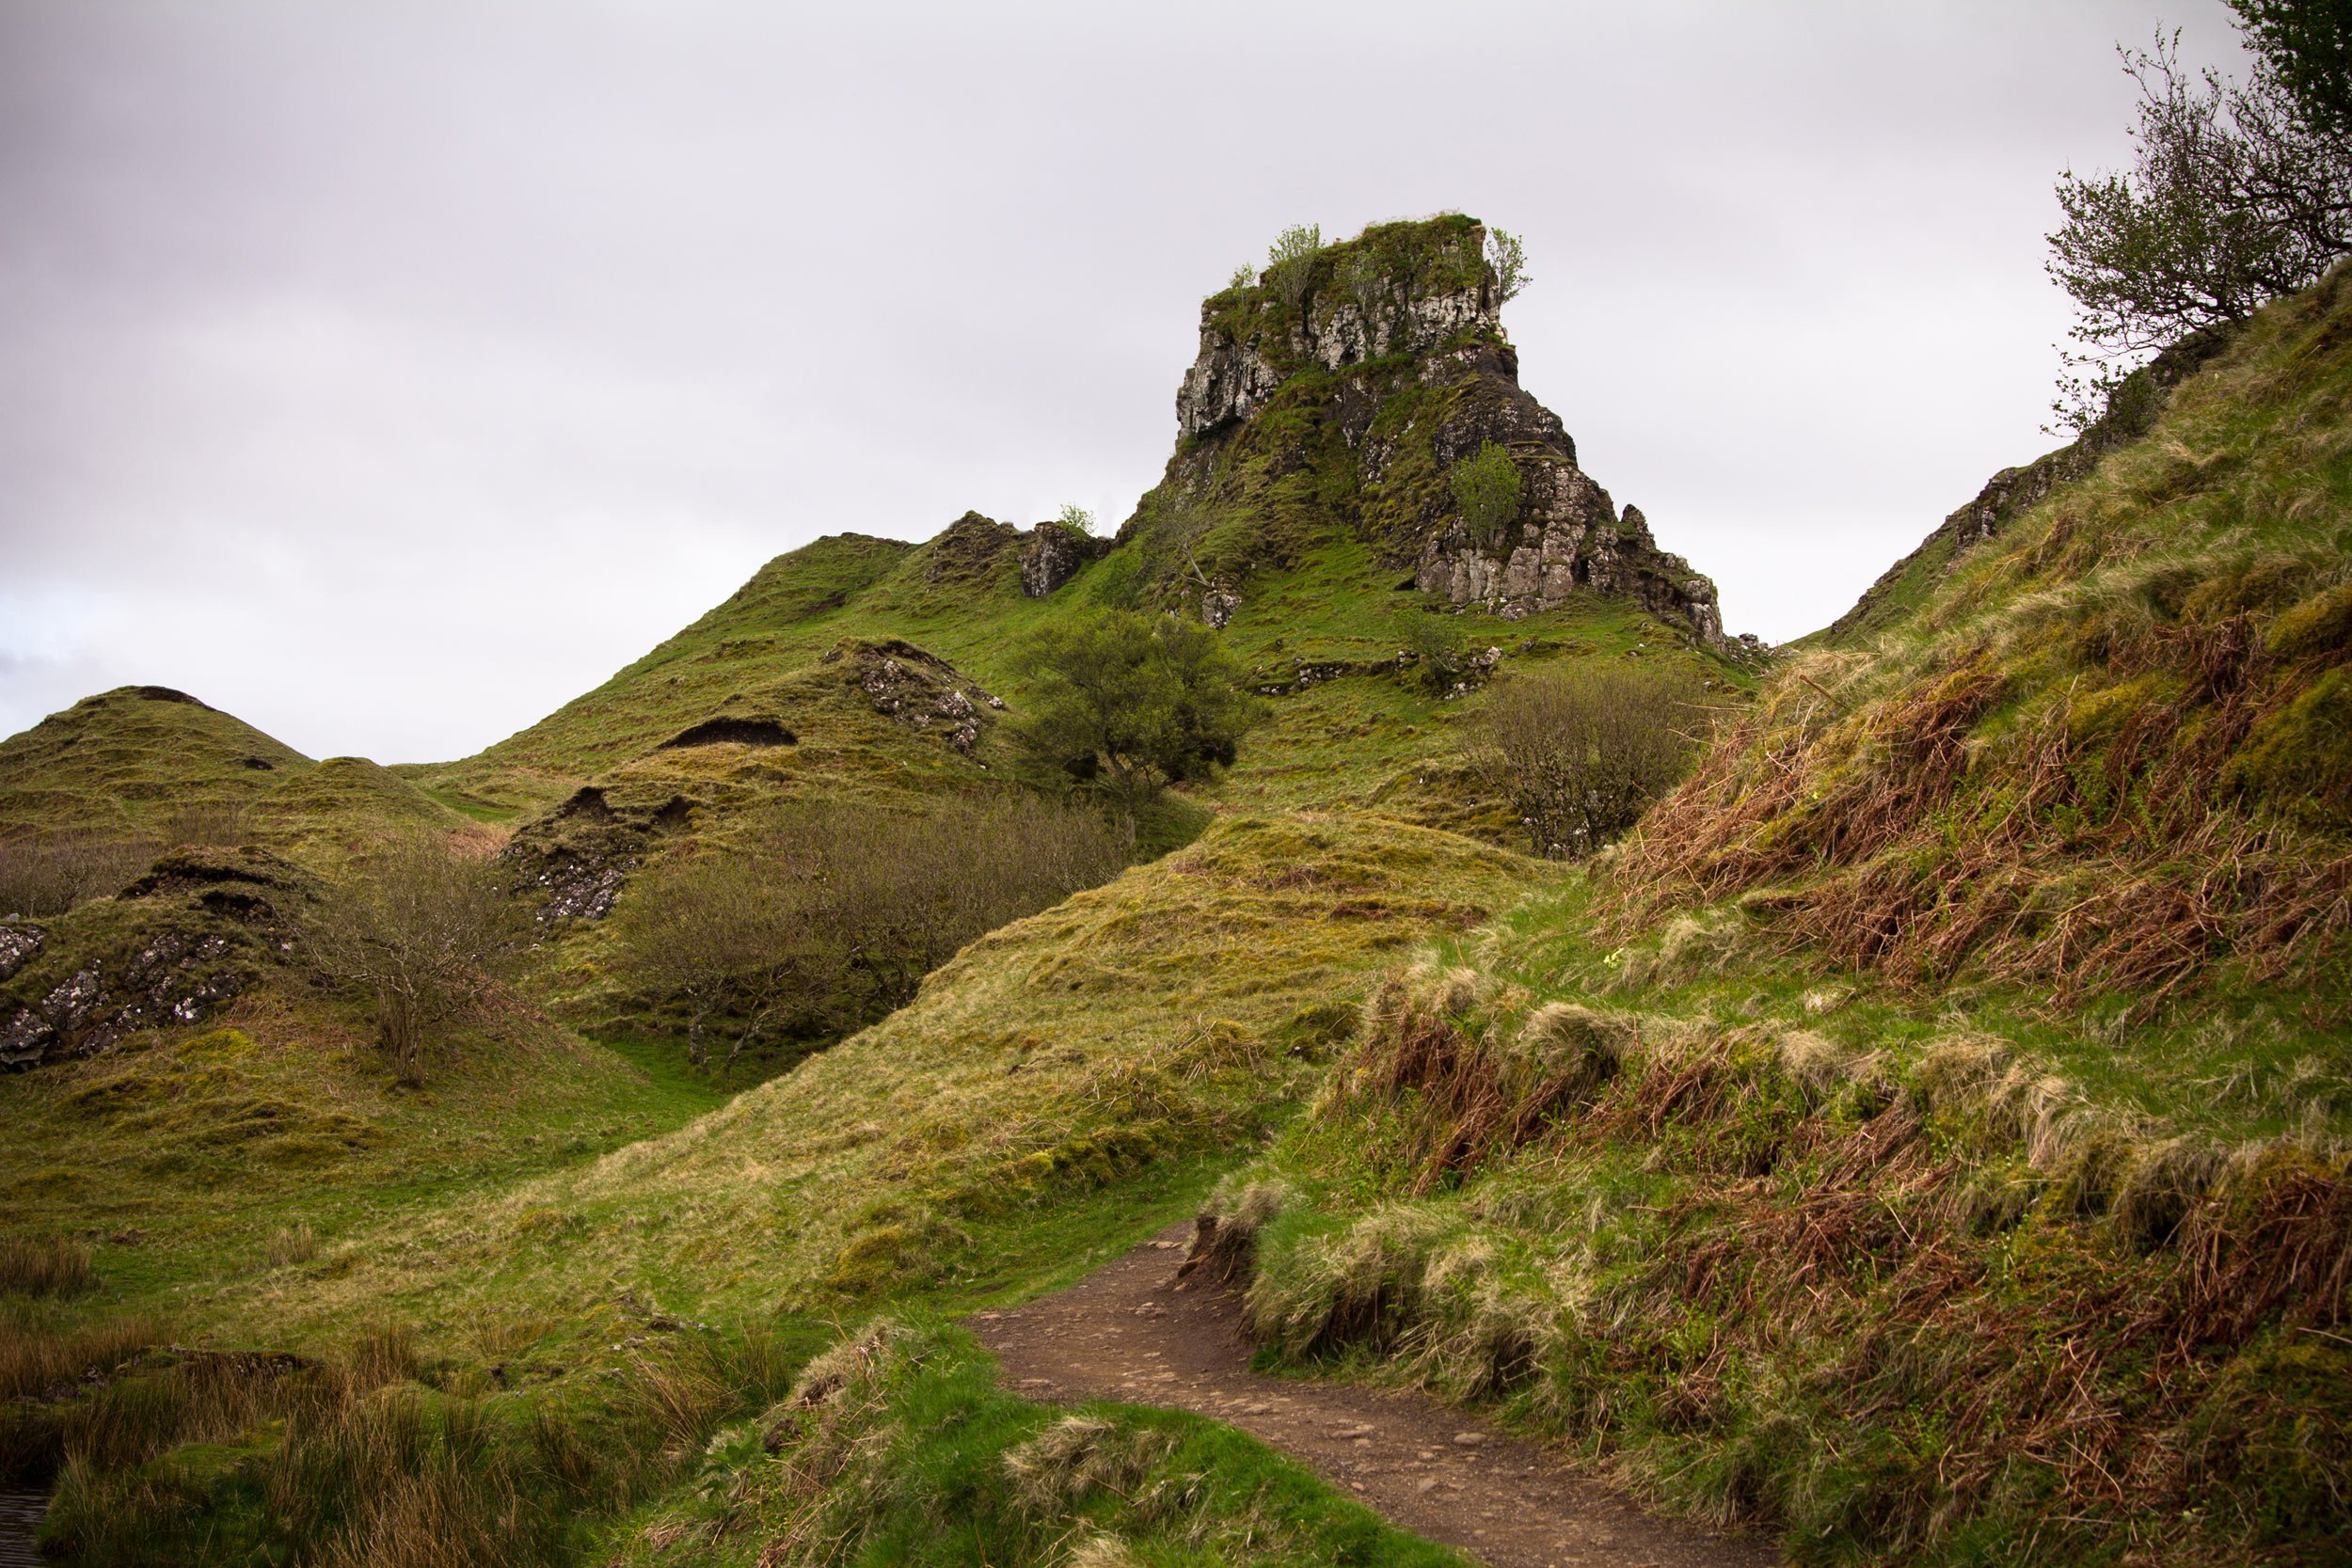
1926	1136
1924	1140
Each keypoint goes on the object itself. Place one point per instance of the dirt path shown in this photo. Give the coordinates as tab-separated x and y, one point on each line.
1135	1332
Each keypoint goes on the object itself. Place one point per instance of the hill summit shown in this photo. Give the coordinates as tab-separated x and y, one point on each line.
1344	388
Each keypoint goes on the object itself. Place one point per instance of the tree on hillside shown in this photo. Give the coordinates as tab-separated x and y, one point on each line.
2307	44
1486	488
2238	192
420	929
1508	257
1077	519
1135	700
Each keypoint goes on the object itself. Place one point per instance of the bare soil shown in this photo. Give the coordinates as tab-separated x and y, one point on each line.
1136	1332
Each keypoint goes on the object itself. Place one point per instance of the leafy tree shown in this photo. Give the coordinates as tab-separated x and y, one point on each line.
1486	488
1508	257
1135	700
423	930
1077	519
1243	276
2307	44
2238	194
1289	261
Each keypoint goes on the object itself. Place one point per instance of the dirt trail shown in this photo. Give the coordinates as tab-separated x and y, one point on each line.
1135	1332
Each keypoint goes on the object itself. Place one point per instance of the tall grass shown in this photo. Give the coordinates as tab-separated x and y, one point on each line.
45	1266
1899	1310
359	1458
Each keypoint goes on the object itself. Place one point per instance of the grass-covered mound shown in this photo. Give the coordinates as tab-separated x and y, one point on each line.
1105	1047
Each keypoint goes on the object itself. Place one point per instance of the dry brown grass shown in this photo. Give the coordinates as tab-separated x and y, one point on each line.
45	1266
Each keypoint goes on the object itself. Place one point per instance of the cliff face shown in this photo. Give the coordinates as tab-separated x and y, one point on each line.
1337	394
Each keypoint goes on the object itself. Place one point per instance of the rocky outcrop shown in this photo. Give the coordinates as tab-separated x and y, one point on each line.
194	933
919	690
1367	308
18	943
1340	391
1053	555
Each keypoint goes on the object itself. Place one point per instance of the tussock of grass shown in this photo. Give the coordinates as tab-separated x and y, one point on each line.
366	1455
43	1265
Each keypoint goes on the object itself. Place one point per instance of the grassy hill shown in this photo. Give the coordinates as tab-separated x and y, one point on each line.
1928	1136
1925	1139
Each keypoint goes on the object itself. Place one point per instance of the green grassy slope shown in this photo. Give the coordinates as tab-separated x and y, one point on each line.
1065	1085
1927	1136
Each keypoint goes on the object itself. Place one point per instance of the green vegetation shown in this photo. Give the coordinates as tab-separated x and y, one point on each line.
1135	702
898	1446
1923	1137
2240	193
1582	749
1487	487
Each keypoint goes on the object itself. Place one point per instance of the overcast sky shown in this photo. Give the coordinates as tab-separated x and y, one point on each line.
390	373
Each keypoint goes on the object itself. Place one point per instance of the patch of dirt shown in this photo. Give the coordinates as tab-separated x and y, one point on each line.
1136	1333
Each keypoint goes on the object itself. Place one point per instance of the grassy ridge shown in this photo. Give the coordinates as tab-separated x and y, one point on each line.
1928	1136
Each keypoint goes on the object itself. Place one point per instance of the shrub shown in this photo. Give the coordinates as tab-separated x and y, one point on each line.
1135	701
51	875
1435	650
1077	519
1508	257
1486	488
1289	261
824	916
421	929
1582	751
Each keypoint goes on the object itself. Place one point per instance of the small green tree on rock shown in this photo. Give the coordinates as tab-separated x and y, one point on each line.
1508	257
1135	701
1486	488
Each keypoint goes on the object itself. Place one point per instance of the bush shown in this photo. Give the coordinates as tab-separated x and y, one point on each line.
1508	257
1582	751
1438	663
421	928
52	875
1486	488
824	916
1135	701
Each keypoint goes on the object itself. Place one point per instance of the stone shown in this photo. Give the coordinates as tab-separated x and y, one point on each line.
1053	555
18	944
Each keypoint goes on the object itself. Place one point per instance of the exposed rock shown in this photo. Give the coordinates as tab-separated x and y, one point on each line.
17	944
194	933
1370	314
1056	554
578	885
919	690
1339	394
